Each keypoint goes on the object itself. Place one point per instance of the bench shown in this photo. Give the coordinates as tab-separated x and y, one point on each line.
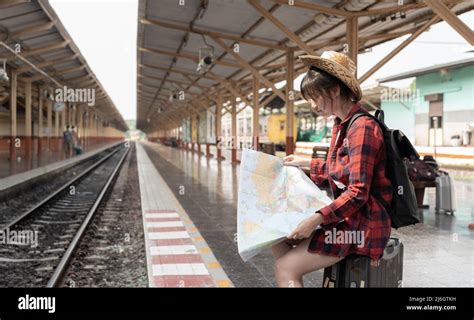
320	152
420	187
269	148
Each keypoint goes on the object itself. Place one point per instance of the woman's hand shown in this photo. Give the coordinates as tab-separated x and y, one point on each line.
306	227
296	161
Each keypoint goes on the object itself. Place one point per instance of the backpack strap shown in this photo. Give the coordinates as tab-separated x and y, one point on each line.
380	115
379	118
354	118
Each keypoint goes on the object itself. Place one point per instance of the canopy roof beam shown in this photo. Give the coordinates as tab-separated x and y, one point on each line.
452	19
293	37
399	48
228	36
249	67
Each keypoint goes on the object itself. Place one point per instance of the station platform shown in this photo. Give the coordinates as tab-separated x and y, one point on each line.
177	254
438	252
27	159
51	164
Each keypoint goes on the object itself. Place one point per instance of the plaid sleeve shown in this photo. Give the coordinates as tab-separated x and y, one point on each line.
317	170
365	141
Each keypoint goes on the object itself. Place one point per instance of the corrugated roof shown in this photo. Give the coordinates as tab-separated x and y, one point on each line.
168	48
422	71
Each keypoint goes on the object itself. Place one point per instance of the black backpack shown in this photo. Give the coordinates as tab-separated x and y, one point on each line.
404	209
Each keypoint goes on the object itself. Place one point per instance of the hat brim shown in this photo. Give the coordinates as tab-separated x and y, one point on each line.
336	70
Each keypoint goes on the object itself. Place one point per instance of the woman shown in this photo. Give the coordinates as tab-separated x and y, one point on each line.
355	169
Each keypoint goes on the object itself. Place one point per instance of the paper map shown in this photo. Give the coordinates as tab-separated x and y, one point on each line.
273	199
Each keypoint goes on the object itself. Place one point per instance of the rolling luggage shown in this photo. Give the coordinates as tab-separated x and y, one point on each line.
445	199
357	271
78	150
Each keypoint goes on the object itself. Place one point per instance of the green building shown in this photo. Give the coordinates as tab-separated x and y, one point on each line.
437	108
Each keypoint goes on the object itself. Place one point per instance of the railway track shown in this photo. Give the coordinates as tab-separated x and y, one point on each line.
48	234
112	252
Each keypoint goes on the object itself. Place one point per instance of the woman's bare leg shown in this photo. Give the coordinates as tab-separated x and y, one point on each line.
280	249
290	268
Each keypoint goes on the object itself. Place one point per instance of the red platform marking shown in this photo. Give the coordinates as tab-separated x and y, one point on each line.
176	258
170	242
165	229
160	211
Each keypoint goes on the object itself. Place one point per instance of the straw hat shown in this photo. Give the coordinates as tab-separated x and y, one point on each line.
337	64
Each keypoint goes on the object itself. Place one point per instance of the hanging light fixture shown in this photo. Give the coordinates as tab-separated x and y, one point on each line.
3	73
173	97
206	57
320	18
49	94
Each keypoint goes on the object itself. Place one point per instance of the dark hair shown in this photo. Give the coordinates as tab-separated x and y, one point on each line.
319	83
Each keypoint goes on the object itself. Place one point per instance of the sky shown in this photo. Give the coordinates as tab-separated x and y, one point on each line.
106	33
439	45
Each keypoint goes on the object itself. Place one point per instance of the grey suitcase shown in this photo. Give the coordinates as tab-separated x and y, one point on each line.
445	199
360	272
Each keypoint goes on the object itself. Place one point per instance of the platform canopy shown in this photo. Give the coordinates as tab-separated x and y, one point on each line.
252	39
48	56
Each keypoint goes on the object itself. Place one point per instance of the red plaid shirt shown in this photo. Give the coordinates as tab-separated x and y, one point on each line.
355	166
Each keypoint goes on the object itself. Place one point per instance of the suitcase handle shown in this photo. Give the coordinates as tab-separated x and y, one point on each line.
393	243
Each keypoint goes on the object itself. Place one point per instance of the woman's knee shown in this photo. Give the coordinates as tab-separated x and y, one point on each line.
284	269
